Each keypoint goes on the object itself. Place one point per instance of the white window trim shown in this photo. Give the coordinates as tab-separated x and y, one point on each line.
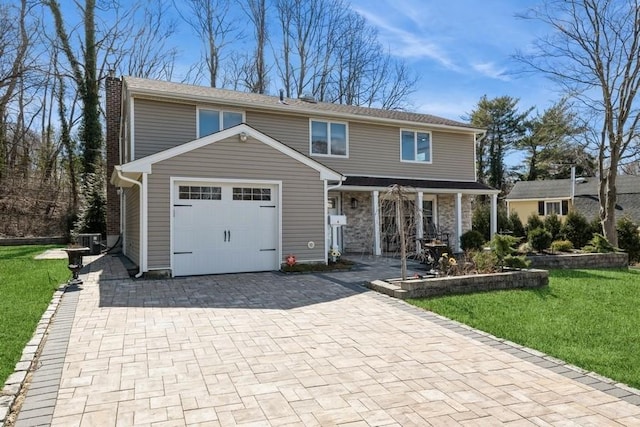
328	122
221	110
415	146
546	203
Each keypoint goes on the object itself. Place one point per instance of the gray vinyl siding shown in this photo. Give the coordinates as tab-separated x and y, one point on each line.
302	193
132	224
374	150
162	125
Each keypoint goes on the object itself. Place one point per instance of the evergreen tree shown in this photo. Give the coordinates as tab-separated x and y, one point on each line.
505	128
550	150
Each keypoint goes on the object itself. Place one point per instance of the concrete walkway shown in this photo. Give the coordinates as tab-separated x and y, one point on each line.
274	349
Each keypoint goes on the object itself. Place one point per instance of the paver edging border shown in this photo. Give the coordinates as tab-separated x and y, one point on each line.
596	381
16	381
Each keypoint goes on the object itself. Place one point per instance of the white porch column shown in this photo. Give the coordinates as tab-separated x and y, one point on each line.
494	214
458	221
419	220
375	205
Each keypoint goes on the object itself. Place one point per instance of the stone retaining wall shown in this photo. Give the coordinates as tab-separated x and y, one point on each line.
418	288
17	241
569	261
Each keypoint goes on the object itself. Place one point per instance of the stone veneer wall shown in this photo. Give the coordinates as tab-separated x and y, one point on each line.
357	235
446	206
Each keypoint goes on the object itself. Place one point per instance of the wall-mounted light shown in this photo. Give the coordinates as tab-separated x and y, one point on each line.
354	203
243	137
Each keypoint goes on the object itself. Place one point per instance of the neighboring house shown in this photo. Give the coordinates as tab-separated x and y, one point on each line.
550	197
217	181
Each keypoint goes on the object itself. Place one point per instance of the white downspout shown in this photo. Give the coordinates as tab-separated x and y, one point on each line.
142	242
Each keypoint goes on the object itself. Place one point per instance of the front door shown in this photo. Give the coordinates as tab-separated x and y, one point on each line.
333	208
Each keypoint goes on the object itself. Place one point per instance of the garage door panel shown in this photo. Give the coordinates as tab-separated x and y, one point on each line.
231	233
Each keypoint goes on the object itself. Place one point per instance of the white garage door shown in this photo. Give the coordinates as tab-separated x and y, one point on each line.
224	228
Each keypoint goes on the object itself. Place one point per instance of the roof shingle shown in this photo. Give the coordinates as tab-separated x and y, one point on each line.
202	93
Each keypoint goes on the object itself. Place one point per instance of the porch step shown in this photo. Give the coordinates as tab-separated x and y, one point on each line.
388	289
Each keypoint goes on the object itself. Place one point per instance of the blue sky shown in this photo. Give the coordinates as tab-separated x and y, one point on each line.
462	50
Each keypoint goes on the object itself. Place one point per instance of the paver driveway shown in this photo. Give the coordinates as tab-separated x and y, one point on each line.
272	349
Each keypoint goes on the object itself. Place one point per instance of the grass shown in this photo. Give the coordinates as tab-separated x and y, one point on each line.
26	288
588	318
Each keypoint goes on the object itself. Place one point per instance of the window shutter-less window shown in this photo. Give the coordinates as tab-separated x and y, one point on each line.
565	207
541	208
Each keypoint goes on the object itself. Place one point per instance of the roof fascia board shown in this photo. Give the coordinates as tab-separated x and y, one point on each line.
539	199
405	177
417	189
306	111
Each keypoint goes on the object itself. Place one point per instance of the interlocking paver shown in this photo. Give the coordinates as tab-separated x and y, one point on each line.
268	348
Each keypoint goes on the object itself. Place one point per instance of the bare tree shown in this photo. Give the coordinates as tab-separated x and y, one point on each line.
593	53
255	69
332	53
210	20
147	52
14	44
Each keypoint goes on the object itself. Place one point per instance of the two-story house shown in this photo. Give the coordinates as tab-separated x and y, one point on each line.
217	181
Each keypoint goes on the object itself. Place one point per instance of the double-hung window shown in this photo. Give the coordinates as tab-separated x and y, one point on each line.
553	207
212	121
415	146
329	138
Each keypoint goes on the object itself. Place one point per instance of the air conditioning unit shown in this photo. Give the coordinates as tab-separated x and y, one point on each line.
91	241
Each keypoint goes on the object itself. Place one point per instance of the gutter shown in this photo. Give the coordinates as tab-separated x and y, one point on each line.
143	252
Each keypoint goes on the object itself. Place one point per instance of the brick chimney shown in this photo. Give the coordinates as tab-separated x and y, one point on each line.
113	88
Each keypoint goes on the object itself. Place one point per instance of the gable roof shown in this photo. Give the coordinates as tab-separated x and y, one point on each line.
561	188
180	91
133	169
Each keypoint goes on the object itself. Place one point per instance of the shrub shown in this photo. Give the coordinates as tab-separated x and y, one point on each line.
472	239
540	239
562	246
486	262
525	248
512	261
534	222
629	238
516	225
599	244
553	225
481	219
503	245
595	226
576	228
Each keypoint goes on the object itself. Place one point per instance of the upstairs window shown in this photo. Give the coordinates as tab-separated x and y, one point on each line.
328	138
415	146
212	121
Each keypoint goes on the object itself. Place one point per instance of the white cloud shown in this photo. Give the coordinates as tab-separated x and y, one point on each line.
407	44
489	69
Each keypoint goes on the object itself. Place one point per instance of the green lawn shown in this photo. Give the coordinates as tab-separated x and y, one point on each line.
589	318
26	288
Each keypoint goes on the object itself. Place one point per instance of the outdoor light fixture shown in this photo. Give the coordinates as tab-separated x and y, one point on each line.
243	137
354	203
